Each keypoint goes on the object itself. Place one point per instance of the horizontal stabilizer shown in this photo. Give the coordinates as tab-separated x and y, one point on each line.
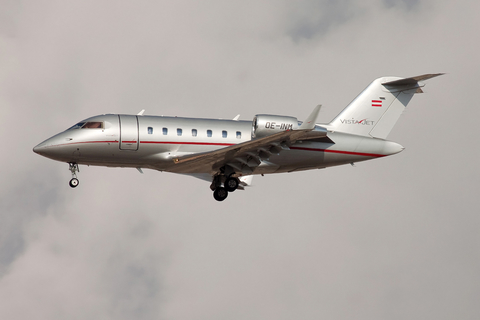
412	80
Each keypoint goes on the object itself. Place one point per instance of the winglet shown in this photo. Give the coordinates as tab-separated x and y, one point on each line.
309	123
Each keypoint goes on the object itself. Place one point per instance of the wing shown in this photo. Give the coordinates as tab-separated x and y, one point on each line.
246	156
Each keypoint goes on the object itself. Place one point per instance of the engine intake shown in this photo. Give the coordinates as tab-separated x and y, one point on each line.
266	124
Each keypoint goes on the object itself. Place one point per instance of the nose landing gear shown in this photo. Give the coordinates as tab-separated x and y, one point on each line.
74	182
73	167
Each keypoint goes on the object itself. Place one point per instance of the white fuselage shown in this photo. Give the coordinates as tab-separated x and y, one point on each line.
154	141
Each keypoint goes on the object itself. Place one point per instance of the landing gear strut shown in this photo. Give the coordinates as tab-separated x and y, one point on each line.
73	167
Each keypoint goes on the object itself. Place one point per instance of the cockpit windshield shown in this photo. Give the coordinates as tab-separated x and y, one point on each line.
77	126
88	125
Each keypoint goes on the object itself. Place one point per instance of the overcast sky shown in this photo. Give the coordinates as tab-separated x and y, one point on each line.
393	238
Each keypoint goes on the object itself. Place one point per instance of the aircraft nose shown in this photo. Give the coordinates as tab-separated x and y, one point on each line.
39	148
54	148
45	148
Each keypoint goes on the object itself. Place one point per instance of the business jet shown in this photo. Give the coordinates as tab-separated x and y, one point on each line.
228	153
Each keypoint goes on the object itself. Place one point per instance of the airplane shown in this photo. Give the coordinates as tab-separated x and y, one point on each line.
228	153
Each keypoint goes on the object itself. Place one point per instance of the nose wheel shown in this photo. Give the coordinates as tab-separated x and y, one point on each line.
74	182
73	167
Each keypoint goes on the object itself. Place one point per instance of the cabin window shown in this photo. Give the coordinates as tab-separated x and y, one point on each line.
179	132
239	135
194	132
150	130
165	131
224	134
209	133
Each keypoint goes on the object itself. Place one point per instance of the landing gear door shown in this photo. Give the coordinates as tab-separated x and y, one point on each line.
128	132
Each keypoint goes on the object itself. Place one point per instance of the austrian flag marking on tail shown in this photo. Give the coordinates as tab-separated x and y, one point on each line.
377	103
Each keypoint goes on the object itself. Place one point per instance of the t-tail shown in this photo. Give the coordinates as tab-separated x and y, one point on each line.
375	111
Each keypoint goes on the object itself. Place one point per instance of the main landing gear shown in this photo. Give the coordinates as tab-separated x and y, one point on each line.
73	167
231	184
222	185
220	193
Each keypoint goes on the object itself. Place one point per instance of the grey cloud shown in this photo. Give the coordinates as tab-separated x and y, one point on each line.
316	18
26	199
8	17
404	4
389	238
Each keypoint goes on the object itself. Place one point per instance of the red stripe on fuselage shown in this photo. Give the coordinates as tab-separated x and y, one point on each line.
190	143
231	144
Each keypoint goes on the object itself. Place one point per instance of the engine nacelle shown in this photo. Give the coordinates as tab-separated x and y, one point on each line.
266	124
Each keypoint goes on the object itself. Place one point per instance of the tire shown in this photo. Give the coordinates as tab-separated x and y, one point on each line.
74	183
231	184
220	194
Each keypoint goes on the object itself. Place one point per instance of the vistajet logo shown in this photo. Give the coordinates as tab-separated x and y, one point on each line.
363	122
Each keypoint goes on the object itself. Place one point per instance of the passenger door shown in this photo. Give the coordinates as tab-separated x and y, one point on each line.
128	132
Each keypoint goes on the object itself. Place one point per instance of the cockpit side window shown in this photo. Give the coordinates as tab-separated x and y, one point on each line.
93	125
88	125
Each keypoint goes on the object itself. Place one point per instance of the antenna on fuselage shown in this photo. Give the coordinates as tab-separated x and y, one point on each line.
141	113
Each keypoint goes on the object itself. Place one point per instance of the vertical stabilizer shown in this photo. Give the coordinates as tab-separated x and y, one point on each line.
375	111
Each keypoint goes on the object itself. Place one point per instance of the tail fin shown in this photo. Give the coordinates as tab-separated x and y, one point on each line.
375	111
